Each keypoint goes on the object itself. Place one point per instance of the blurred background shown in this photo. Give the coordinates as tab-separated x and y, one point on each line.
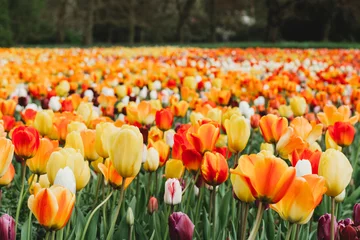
127	22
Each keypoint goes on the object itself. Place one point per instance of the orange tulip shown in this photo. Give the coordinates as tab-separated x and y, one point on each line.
164	119
289	142
305	130
26	141
163	150
7	153
179	109
8	176
331	115
272	127
52	206
38	163
214	168
28	116
268	178
303	196
155	134
203	137
7	107
111	176
306	154
342	133
88	139
191	159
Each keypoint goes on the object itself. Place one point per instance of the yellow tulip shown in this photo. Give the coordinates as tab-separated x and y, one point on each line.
152	160
74	140
337	171
102	134
189	82
330	143
214	114
95	163
87	112
7	153
195	117
285	111
174	168
88	139
44	122
121	91
238	132
298	105
76	126
63	88
73	159
267	147
126	150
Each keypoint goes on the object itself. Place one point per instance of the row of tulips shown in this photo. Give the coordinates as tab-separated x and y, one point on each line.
198	153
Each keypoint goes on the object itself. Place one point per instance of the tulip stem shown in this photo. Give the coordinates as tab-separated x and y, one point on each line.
47	236
93	213
256	226
148	190
288	234
201	193
29	226
112	226
53	235
131	227
244	221
297	232
214	211
332	232
23	173
99	182
188	200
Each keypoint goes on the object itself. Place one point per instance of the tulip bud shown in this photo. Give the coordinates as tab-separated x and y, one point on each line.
169	137
66	178
173	192
130	217
356	214
152	160
267	147
164	119
298	106
153	205
7	227
324	225
180	226
339	198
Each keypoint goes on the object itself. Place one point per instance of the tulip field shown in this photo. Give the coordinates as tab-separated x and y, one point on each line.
179	143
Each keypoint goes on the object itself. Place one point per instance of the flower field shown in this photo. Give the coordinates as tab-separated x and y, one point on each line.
179	143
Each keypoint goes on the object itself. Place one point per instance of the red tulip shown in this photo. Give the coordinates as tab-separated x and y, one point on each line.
342	133
26	141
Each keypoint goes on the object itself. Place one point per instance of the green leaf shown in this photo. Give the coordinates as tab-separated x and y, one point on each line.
353	197
25	231
122	231
207	228
270	226
92	229
279	232
223	211
80	223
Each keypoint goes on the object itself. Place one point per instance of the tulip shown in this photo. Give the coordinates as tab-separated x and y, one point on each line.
215	115
309	159
174	168
163	150
349	232
88	140
289	142
164	119
330	143
272	127
37	164
87	112
191	159
7	178
7	153
173	192
76	126
74	140
129	216
65	177
285	111
102	138
331	115
306	131
44	122
337	171
152	160
180	226
238	132
26	141
7	227
7	107
125	151
52	206
267	147
195	117
112	176
63	88
342	133
339	198
214	168
169	137
153	205
36	183
179	109
74	160
298	105
324	227
155	134
356	214
203	137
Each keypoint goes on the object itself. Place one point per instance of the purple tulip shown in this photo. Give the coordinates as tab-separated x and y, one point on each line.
324	225
7	227
349	232
356	214
180	226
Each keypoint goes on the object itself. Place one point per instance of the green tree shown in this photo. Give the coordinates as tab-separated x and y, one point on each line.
5	27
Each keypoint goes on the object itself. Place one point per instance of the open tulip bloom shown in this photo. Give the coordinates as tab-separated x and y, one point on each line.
180	143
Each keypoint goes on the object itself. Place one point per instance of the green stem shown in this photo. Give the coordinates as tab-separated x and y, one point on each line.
99	182
156	182
23	173
297	231
29	226
104	216
214	212
60	235
197	211
288	234
47	236
168	215
93	213
210	207
112	226
53	235
131	227
332	232
148	190
188	200
240	216
244	221
255	229
310	227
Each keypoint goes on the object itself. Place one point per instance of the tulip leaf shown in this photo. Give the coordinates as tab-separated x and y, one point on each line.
152	236
80	223
353	197
304	233
207	228
92	229
279	232
139	231
263	232
233	232
270	226
122	231
25	230
223	211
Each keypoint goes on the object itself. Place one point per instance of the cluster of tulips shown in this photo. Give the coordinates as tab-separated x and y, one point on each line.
158	143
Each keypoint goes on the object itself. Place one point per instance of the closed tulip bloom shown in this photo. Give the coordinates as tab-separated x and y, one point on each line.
129	216
180	226
240	188
215	115
289	142
38	163
324	227
339	198
164	119
272	127
7	178
38	183
169	137
74	160
298	105
268	177
285	111
63	88
342	133
76	126
214	168
238	132
52	206
155	134
74	140
7	227
7	153
301	199
203	137
152	160
88	140
7	107
26	141
87	112
173	192
111	176
65	177
174	168
153	205
125	151
163	150
267	147
103	132
330	143
356	214
337	171
44	122
195	117
179	109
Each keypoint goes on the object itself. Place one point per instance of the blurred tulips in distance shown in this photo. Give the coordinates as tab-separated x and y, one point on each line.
179	143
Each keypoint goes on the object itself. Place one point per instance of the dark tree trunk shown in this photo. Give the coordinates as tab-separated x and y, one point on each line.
60	35
132	22
273	20
212	20
88	35
183	13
